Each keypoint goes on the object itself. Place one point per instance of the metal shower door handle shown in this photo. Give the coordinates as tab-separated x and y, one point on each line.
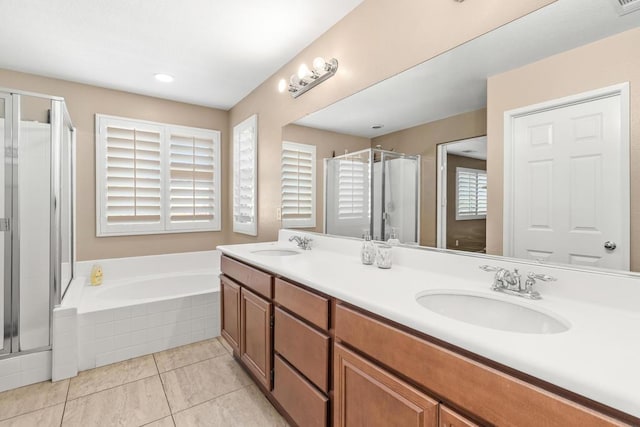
5	225
609	245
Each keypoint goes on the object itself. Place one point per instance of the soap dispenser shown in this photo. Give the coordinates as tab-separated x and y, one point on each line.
393	237
368	251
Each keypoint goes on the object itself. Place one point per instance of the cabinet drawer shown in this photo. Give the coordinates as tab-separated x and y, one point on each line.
256	280
309	306
306	405
450	418
491	395
303	347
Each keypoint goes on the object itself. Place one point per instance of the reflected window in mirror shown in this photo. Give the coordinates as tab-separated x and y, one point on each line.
471	194
298	178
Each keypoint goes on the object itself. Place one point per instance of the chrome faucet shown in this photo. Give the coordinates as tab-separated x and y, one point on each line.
509	283
304	242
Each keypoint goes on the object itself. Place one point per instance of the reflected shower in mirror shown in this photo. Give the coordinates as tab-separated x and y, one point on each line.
477	90
373	192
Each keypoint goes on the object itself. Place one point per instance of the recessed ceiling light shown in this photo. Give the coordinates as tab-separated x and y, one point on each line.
165	78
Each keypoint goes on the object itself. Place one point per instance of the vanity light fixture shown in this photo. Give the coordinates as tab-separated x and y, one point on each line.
165	78
305	78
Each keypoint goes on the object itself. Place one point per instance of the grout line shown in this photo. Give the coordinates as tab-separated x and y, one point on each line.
164	391
64	409
212	399
194	363
47	405
111	388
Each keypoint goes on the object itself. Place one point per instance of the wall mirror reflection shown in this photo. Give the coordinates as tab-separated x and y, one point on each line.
553	96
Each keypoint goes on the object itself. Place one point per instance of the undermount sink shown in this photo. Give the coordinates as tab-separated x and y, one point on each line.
276	252
491	313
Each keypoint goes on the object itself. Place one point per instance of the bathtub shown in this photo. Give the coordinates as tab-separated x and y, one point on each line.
145	305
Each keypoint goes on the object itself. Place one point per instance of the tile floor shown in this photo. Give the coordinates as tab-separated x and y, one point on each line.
198	384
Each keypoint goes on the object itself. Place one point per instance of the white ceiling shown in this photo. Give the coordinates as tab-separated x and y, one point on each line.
218	50
456	81
476	148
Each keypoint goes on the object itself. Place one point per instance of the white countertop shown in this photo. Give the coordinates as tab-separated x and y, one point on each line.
598	357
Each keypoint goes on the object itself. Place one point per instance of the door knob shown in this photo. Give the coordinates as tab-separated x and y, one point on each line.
609	245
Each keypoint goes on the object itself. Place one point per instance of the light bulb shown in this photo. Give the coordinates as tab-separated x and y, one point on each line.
282	85
303	71
294	80
319	64
165	78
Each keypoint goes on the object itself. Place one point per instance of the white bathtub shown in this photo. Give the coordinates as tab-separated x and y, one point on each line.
145	305
147	289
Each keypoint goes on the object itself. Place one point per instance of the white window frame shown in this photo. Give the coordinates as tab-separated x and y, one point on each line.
245	161
309	222
164	225
461	216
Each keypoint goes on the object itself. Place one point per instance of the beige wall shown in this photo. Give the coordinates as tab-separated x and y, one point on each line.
423	140
606	62
83	102
469	234
377	40
326	144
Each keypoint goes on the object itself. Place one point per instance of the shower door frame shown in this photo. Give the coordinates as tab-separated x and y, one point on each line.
7	146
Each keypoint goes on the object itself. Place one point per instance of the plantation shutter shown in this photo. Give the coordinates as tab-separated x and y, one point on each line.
352	188
244	176
193	179
129	171
298	185
471	194
154	178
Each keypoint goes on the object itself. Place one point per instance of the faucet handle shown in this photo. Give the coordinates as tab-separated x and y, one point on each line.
543	277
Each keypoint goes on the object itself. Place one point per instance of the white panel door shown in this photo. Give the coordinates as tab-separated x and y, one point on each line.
570	193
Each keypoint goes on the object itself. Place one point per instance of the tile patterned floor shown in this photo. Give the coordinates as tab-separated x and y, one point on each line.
195	385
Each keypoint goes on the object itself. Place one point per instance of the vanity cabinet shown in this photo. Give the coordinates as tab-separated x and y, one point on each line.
324	362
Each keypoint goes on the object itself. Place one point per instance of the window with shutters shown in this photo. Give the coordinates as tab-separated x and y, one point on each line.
245	144
353	174
471	194
155	178
298	185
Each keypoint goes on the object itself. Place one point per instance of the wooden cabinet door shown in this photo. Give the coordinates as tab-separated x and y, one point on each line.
230	309
366	395
255	337
450	418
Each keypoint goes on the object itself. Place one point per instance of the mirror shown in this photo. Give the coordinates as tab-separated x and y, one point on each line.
543	61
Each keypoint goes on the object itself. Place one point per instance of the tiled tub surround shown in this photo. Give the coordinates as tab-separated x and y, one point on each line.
595	358
145	305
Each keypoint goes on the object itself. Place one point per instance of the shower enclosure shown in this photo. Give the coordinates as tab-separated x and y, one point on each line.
36	210
373	191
